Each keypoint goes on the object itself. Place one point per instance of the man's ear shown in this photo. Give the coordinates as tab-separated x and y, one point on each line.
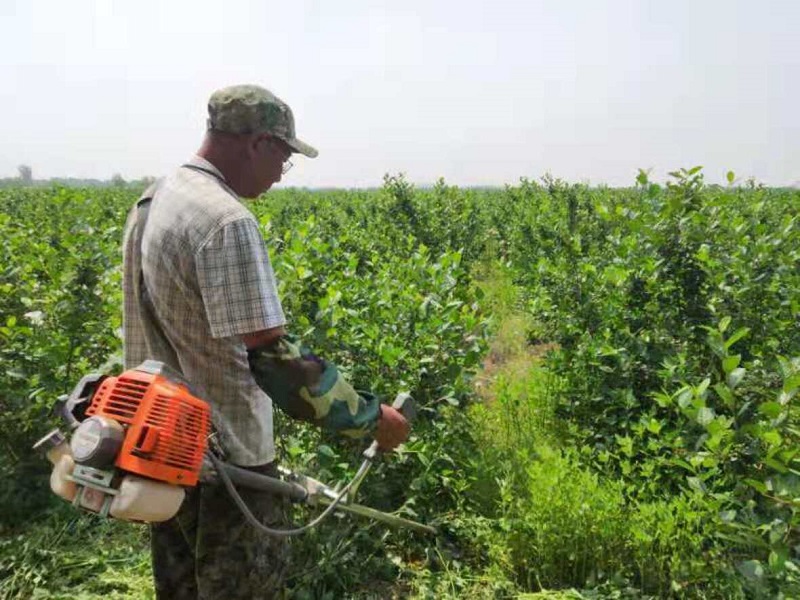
255	143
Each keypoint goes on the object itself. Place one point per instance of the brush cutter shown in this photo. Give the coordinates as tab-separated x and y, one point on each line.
139	440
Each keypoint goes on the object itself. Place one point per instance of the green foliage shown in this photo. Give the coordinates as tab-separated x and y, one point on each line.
67	555
563	526
633	431
59	297
690	290
557	522
395	320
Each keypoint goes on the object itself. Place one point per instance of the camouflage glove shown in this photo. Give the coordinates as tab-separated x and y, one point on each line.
310	388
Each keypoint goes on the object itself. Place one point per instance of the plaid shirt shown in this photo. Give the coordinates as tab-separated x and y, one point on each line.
209	280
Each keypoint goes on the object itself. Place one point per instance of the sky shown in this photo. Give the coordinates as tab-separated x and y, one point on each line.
477	92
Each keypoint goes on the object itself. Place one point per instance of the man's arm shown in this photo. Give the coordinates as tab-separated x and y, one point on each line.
311	389
240	296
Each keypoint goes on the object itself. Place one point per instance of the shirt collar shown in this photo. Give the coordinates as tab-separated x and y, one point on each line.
201	163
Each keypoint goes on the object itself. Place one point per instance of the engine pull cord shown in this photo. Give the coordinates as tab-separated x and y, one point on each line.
226	480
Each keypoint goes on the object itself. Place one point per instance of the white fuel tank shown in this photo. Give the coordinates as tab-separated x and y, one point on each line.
141	499
59	483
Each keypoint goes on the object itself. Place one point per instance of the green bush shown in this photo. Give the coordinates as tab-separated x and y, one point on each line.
565	527
655	448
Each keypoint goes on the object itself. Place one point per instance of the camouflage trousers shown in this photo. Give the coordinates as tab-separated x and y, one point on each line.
209	551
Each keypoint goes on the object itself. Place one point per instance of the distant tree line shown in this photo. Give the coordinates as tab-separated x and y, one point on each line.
25	179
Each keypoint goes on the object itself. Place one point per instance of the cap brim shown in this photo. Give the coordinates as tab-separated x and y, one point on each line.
301	147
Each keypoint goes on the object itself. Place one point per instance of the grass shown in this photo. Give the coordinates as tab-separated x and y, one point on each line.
68	555
517	393
555	524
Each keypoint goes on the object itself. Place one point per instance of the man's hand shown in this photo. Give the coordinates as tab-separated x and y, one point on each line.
392	430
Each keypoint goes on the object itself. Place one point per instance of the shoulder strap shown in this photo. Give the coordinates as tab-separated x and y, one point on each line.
142	212
200	169
139	287
213	175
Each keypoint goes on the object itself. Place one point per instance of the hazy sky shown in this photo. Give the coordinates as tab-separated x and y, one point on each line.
477	92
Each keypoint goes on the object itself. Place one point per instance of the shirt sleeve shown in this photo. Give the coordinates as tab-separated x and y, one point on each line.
236	280
312	389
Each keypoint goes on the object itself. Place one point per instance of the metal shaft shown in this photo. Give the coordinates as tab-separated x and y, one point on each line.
388	518
265	483
301	488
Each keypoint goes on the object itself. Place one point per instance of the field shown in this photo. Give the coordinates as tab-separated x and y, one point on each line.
607	382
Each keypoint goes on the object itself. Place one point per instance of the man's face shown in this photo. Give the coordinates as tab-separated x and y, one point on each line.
269	157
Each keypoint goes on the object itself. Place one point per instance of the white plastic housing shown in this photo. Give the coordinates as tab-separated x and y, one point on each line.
141	499
92	499
58	477
56	452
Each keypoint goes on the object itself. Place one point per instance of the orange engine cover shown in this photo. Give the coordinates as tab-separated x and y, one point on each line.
166	426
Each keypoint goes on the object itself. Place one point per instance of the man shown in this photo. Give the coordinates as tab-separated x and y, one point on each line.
200	295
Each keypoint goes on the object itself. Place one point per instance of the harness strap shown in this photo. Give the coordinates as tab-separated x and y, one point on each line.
139	286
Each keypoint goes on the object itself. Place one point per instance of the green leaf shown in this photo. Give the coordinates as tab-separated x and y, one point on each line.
615	274
770	409
725	394
716	345
719	426
771	437
696	484
727	516
326	450
759	486
684	397
791	383
731	362
723	324
654	426
735	377
390	354
777	559
751	569
663	400
625	444
681	463
776	465
736	336
705	416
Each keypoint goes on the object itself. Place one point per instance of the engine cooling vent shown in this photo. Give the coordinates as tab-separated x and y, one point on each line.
180	424
120	397
166	427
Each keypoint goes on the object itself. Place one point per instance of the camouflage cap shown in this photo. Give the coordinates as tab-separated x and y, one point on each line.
253	109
